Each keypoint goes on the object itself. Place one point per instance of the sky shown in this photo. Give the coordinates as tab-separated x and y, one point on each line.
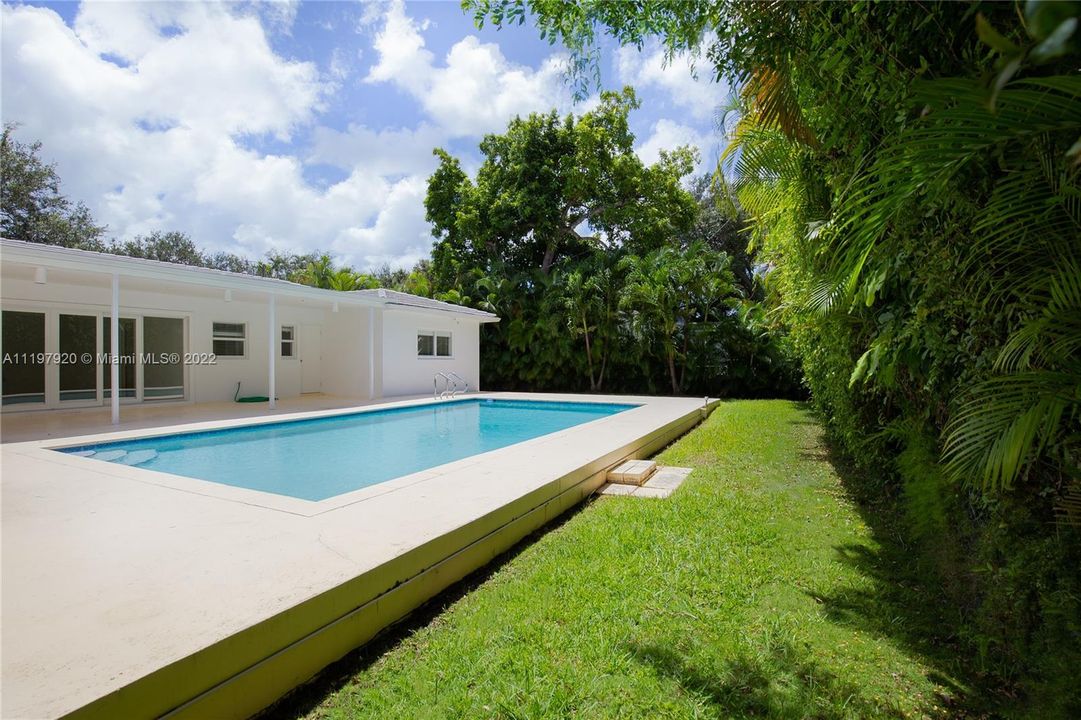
298	126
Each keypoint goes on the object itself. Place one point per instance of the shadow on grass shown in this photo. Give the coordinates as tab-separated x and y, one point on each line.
305	698
903	601
776	684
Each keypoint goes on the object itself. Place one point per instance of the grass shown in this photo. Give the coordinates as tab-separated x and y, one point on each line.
771	584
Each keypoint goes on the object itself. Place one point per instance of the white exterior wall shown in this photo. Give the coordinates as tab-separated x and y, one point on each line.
348	368
345	354
404	373
203	383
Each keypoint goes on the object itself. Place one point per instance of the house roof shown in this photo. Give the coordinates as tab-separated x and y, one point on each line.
26	253
393	297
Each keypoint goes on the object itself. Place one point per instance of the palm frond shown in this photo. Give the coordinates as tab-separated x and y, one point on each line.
1068	509
773	104
1053	336
1009	421
958	129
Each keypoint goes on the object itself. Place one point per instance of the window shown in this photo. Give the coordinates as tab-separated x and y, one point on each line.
229	339
425	344
288	341
433	344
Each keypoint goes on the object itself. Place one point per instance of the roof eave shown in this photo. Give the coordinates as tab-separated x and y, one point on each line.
485	318
106	264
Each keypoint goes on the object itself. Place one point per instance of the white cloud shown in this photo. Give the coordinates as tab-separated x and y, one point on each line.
153	113
343	63
149	111
403	59
116	29
218	74
371	14
391	151
280	14
400	235
475	90
697	95
668	135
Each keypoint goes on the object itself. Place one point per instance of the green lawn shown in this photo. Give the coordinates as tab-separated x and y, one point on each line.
759	589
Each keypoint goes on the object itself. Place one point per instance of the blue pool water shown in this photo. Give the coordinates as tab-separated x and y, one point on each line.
320	458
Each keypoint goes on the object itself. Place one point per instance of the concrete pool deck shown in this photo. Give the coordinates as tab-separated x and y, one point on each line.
49	424
131	593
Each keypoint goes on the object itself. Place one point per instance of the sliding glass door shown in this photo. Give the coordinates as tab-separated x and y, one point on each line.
61	358
163	350
23	348
78	342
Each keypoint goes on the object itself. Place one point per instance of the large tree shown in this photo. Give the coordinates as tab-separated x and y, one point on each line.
552	187
32	208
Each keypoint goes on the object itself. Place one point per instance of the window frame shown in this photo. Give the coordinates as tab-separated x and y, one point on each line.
292	341
435	335
243	339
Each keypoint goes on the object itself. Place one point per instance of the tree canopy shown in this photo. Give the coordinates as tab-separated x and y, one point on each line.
609	274
552	188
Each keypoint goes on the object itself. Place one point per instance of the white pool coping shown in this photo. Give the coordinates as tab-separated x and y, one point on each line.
126	589
298	506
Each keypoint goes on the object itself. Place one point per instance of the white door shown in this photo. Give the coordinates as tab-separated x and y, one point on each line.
311	358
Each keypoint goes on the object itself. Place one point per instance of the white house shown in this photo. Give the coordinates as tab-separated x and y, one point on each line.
188	334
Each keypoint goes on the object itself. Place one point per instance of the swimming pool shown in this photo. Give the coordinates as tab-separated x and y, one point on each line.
320	458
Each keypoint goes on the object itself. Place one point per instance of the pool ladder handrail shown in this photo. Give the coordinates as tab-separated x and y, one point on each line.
436	395
458	379
453	384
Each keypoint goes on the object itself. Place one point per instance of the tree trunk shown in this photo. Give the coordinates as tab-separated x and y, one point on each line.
606	346
589	353
672	368
549	256
683	368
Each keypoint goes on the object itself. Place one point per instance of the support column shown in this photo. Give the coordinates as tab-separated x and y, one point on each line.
271	355
371	353
114	351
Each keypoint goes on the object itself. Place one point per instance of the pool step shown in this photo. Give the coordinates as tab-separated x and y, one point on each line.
120	457
632	472
138	457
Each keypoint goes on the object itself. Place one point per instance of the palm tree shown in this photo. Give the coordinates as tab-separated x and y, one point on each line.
669	292
582	304
318	272
346	279
455	297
